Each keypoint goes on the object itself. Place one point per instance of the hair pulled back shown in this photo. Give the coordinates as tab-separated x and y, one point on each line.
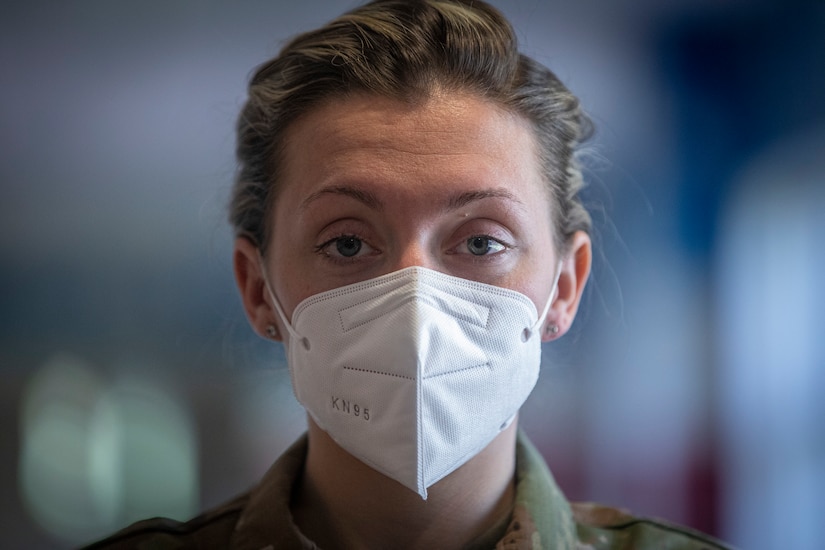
406	49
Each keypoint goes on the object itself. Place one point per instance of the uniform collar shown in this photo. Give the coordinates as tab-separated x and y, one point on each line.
541	517
266	522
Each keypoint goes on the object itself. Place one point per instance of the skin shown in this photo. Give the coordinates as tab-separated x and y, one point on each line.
408	185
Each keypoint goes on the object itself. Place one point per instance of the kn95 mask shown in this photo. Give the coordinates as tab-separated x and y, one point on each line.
414	372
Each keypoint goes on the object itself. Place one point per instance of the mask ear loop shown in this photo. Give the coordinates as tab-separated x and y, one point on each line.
528	332
292	332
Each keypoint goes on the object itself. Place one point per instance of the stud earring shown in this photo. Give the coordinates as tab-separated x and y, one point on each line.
552	329
271	331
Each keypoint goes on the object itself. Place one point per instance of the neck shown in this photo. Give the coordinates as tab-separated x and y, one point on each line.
343	503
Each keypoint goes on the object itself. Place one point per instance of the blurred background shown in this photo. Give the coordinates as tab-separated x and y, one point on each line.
692	388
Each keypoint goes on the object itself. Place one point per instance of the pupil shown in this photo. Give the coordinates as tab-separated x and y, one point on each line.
479	245
348	246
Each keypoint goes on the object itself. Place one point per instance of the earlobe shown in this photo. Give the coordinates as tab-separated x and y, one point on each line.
551	330
251	284
575	270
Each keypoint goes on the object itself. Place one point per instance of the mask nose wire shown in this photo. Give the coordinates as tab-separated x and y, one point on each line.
279	310
528	332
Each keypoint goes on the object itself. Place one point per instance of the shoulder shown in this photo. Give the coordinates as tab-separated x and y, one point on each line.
212	529
605	527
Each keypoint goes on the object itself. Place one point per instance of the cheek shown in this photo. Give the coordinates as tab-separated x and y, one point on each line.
288	295
537	283
288	278
541	264
292	279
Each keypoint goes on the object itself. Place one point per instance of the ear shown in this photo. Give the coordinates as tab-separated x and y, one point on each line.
575	269
250	279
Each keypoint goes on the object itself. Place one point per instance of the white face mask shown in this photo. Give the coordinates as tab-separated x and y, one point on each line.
414	372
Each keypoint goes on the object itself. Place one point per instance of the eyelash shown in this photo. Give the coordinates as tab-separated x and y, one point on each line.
322	248
504	245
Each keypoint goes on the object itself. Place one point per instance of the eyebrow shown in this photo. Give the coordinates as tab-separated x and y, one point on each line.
369	199
454	202
463	199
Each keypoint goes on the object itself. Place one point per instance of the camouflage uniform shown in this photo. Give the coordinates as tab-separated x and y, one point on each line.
541	519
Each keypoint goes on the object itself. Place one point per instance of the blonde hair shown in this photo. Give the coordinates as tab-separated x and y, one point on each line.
406	49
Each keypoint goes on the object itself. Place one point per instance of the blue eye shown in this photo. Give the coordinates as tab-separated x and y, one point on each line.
481	245
348	246
345	248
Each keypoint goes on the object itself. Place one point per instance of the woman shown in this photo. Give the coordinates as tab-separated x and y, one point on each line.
408	224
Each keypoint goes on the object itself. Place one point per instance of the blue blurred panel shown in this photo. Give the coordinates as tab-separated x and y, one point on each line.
772	356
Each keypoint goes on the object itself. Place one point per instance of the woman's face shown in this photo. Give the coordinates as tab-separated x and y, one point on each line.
371	185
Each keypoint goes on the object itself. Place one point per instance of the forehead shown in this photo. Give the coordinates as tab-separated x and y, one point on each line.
447	140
